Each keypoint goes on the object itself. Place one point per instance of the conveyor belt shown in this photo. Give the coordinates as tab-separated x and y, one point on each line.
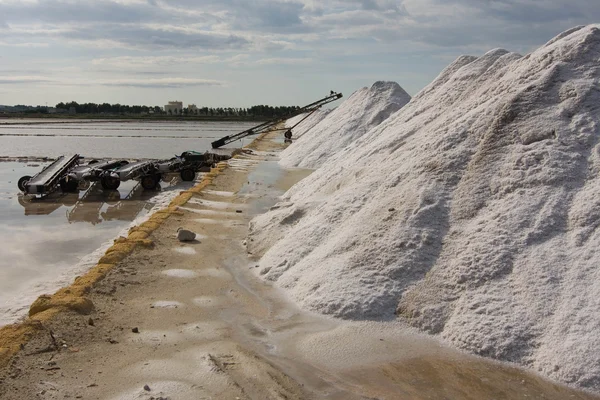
265	126
47	180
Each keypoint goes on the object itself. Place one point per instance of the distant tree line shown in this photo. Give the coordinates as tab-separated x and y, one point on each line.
22	108
260	111
93	108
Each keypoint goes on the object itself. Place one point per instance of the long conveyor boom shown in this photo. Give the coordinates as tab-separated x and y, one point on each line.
269	124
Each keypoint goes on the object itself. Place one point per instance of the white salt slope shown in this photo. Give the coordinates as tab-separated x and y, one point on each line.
304	125
363	110
475	208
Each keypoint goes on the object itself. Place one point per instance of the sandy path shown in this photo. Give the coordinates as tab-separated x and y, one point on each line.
193	322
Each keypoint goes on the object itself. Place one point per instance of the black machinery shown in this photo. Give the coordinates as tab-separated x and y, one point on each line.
67	174
265	126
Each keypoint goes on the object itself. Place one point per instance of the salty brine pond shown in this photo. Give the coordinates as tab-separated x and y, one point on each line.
122	139
45	244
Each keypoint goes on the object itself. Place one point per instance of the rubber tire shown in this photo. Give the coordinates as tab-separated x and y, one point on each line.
187	175
110	183
149	182
92	162
69	186
22	181
288	134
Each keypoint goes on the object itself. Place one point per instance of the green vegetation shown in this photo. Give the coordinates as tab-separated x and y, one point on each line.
254	112
74	110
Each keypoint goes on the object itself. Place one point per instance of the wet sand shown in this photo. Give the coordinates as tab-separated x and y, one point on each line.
192	321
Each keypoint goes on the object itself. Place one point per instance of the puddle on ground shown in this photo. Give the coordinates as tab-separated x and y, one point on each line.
261	186
215	273
190	251
167	304
180	273
219	205
210	213
218	193
206	301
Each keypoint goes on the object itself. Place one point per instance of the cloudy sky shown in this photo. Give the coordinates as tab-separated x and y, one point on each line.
245	52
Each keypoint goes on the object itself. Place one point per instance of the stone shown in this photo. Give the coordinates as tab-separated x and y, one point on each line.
185	236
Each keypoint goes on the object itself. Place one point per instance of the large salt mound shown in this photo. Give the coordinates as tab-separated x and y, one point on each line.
363	110
471	213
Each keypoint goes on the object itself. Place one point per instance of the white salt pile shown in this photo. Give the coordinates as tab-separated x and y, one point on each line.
304	122
471	213
363	110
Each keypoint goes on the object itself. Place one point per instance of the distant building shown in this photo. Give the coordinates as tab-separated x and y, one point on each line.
174	108
192	109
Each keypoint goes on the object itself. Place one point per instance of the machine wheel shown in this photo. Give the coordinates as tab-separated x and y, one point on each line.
68	185
21	183
92	162
288	134
110	183
187	175
149	182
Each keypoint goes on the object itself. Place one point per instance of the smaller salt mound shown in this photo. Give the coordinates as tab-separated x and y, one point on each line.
363	110
308	123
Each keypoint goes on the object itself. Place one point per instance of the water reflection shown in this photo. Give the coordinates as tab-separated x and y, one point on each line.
34	206
94	206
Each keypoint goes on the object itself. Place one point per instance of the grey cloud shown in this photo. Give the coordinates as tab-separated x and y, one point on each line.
278	15
465	24
265	24
22	80
350	19
265	16
134	73
147	37
55	11
396	7
163	83
31	72
537	11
